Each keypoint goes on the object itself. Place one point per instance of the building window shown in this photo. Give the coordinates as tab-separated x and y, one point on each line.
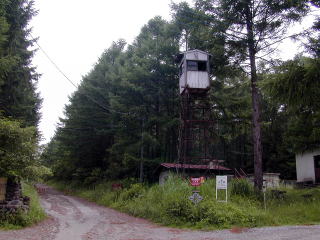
192	66
197	66
202	66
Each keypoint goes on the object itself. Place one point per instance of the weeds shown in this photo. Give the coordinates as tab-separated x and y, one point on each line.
168	204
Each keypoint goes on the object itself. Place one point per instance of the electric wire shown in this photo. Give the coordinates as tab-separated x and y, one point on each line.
69	80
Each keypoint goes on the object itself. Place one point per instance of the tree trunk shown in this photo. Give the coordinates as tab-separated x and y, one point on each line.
256	128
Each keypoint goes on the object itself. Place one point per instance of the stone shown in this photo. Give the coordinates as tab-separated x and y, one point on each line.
15	203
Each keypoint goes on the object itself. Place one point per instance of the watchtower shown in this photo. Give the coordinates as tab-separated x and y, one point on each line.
195	133
193	71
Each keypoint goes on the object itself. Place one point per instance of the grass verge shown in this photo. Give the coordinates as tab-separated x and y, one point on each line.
169	204
24	219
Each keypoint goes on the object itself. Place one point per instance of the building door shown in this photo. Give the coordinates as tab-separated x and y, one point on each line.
317	168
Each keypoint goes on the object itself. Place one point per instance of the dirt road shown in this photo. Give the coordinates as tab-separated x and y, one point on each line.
76	219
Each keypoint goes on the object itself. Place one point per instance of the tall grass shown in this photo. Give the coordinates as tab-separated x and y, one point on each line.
23	219
169	204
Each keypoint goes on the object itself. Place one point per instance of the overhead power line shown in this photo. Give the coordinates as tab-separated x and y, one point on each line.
69	80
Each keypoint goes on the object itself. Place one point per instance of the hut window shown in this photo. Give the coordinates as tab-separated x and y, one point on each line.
192	65
202	66
197	66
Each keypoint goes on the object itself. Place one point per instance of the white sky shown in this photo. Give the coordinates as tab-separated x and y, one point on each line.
74	33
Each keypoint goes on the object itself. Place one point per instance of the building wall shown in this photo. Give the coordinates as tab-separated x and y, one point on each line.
305	165
271	180
197	55
182	82
164	175
198	79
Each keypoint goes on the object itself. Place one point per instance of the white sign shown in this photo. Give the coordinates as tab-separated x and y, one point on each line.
222	184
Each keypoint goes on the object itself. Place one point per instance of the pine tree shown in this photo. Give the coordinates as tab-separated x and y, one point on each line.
19	98
251	28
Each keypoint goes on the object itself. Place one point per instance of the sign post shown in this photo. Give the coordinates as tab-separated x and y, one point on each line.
264	189
196	182
222	184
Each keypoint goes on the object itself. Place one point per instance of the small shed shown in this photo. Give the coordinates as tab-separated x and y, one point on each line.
195	169
271	180
308	166
193	71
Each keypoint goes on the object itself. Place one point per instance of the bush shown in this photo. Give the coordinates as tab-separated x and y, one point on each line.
135	190
17	148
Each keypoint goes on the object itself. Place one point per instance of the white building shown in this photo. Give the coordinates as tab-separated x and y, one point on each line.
308	166
194	70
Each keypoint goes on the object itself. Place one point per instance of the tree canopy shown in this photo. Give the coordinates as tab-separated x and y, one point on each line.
19	99
124	117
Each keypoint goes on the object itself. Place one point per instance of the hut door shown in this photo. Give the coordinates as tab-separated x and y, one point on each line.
317	168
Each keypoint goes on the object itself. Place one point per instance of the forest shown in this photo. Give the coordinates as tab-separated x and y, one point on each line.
129	101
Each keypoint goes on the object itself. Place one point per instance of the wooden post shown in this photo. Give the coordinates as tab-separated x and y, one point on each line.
3	188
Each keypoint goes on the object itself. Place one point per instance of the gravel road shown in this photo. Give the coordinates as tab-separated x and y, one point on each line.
72	218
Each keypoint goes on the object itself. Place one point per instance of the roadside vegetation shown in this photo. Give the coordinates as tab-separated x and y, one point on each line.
20	104
169	205
23	219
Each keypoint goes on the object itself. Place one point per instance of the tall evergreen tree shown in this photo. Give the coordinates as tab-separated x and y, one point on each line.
251	28
19	101
19	98
127	103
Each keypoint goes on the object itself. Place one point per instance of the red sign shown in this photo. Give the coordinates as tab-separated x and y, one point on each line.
196	181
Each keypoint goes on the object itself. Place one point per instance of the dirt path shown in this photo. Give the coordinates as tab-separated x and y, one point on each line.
76	219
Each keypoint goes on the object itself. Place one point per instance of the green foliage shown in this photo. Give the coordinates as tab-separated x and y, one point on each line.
135	191
294	87
130	101
128	96
37	173
17	148
19	100
242	187
18	78
168	204
23	219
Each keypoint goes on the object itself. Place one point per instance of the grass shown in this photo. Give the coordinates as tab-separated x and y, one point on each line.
169	204
23	219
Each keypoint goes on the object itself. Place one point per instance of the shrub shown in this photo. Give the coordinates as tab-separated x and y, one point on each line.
135	190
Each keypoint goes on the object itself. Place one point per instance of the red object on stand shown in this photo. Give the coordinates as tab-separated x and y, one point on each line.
196	182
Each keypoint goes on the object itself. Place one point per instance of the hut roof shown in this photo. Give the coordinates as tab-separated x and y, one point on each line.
195	166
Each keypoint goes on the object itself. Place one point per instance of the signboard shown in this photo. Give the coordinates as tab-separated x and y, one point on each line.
222	184
196	182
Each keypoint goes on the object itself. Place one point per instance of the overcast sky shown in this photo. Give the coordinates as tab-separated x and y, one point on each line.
74	33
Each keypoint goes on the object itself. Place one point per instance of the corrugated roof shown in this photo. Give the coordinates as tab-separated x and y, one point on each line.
194	166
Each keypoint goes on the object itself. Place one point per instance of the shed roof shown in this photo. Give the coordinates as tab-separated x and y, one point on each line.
179	56
194	166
